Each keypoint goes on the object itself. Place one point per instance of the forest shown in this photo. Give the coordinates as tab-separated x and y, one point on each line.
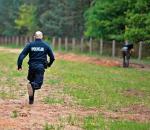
110	19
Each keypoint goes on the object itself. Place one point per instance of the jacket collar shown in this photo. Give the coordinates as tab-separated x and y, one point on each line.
38	40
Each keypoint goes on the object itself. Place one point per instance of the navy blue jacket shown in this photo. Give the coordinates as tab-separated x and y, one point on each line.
38	51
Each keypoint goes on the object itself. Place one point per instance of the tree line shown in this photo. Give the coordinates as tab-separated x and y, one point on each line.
110	19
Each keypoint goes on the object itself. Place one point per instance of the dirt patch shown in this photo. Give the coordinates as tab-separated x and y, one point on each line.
136	109
133	92
98	61
86	59
10	50
28	116
69	127
139	112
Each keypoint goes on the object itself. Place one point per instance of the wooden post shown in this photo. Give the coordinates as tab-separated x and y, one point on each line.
59	44
66	44
26	40
9	40
1	41
140	51
53	42
81	44
6	39
113	48
30	39
21	40
90	45
17	40
101	46
73	43
13	41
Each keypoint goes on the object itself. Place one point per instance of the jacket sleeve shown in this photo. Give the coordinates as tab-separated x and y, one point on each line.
51	55
22	55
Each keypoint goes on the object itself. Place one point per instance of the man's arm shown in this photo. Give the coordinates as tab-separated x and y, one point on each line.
22	55
51	55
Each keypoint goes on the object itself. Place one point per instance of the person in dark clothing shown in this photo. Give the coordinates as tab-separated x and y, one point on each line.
126	53
38	51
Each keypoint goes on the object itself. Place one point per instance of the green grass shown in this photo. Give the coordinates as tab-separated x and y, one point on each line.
89	85
95	86
49	100
10	76
100	123
14	114
52	127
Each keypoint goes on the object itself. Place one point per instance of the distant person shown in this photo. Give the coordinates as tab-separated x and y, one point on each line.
38	51
126	53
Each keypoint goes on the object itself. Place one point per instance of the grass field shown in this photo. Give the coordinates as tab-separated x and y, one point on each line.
90	86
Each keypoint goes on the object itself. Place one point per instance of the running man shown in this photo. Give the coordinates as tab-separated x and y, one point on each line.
38	51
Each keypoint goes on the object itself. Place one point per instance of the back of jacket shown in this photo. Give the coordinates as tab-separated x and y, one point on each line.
38	51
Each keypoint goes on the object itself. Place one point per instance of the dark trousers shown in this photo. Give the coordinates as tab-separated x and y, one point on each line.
126	58
36	76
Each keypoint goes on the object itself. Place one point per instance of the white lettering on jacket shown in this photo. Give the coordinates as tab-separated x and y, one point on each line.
37	48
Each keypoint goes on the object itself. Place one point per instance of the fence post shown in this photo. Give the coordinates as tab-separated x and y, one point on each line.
113	48
12	39
81	46
30	39
66	44
140	51
26	40
59	44
90	45
17	40
101	46
20	40
5	40
9	40
73	43
53	42
1	40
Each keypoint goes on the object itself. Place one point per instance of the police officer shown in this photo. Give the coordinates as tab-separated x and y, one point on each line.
126	53
38	51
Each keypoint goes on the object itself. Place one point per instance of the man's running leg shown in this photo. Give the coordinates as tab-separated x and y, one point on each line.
30	93
31	76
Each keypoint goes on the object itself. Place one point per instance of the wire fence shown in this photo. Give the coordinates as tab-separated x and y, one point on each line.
90	46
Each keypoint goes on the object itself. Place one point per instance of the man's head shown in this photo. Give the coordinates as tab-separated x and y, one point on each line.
38	35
